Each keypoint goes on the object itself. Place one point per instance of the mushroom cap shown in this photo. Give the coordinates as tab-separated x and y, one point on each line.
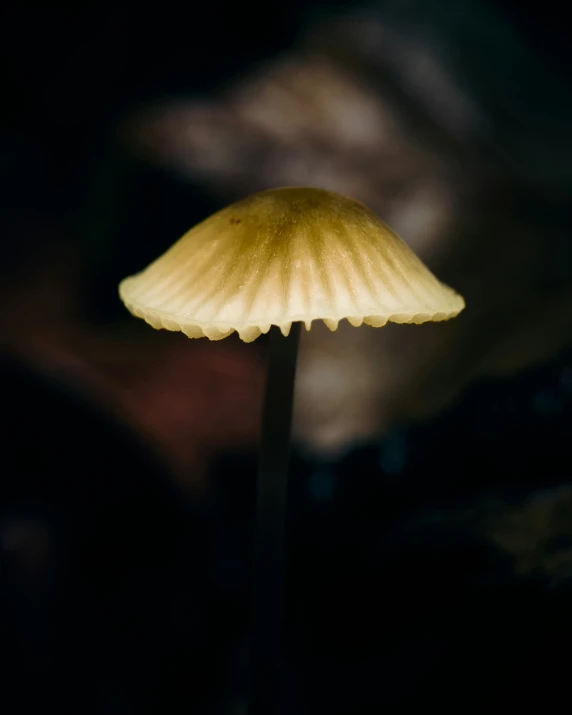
285	255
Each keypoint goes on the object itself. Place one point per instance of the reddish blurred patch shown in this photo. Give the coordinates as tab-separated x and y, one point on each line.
188	399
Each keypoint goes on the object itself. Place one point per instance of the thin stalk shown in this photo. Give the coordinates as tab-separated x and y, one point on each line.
268	575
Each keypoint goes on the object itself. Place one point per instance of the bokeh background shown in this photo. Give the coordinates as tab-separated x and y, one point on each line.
430	526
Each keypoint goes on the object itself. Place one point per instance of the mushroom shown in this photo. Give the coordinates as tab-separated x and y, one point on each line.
281	258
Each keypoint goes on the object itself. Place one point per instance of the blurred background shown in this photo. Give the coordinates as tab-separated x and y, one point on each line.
430	526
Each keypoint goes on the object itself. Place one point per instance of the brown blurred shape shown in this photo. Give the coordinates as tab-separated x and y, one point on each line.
187	400
334	113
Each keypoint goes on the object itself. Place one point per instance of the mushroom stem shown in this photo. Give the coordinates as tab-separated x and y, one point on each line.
268	581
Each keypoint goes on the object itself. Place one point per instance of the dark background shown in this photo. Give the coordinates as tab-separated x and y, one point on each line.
429	567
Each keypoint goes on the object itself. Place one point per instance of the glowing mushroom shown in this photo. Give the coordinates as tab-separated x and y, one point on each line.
281	258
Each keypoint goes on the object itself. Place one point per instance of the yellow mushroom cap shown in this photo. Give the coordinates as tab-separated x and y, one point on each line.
285	255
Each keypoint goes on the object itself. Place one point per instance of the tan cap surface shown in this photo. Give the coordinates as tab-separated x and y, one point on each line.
285	255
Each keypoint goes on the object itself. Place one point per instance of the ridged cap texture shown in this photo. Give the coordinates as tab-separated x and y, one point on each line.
285	255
